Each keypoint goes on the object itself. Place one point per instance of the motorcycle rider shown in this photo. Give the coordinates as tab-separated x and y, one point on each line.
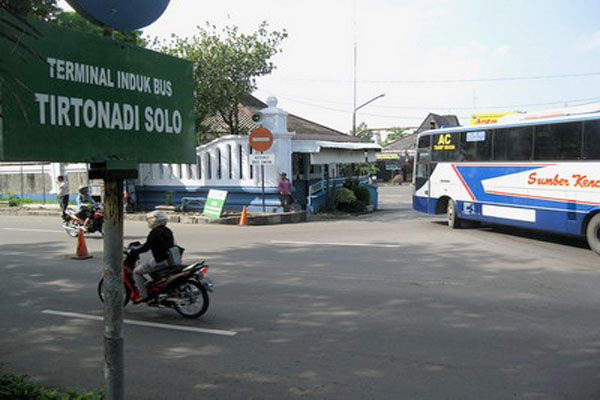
160	239
87	206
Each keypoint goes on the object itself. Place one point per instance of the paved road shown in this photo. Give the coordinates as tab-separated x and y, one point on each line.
389	305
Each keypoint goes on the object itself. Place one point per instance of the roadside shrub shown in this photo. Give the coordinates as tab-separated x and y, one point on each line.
363	194
169	197
344	196
352	183
355	207
20	387
14	201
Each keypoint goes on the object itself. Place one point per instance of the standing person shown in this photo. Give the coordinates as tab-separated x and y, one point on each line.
285	192
62	195
159	241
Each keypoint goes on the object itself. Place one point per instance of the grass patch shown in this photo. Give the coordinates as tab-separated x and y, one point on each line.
20	387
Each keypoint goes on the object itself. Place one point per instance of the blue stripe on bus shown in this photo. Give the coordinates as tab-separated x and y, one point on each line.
474	175
556	220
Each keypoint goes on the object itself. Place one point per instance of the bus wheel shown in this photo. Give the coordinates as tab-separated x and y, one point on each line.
592	233
453	220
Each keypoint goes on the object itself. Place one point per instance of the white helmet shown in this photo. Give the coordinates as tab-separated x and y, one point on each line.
156	218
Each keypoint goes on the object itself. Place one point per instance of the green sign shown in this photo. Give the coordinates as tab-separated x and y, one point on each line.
69	96
214	203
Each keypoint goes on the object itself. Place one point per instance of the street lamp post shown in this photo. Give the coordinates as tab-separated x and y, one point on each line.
358	108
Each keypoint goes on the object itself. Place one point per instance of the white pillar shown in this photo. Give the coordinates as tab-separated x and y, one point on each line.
275	120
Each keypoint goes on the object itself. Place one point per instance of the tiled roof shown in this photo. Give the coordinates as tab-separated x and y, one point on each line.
305	129
404	143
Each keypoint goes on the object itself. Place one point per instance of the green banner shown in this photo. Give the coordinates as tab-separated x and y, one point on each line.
69	96
215	203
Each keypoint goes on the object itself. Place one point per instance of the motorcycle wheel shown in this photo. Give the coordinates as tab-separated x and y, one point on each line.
72	228
126	292
196	296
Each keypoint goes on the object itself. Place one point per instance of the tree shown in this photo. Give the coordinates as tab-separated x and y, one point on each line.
226	65
45	10
398	133
13	27
72	20
362	127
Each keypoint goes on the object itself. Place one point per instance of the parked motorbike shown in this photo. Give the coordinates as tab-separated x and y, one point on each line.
184	288
88	217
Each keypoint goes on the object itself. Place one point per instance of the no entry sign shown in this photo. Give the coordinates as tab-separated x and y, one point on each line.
261	139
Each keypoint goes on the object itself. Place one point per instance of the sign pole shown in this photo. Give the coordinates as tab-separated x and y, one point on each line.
262	173
113	173
113	289
261	140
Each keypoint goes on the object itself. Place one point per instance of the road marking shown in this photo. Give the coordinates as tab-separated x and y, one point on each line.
32	230
143	323
334	244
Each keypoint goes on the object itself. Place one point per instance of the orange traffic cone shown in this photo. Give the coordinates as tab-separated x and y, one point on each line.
244	218
82	251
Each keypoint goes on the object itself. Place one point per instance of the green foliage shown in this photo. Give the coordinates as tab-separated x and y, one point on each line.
367	169
73	20
344	196
397	134
360	129
45	10
169	197
14	201
363	195
20	387
226	65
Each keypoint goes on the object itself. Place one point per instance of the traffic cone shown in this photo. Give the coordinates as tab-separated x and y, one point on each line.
244	218
82	252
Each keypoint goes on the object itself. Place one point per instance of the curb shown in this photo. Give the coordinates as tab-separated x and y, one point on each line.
253	219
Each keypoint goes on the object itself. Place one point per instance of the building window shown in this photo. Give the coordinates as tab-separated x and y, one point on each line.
219	165
241	162
250	167
199	166
208	166
229	162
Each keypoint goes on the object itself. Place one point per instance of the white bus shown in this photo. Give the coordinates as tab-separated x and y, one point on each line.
542	174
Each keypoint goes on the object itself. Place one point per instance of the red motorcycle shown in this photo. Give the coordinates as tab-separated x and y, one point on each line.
184	288
89	218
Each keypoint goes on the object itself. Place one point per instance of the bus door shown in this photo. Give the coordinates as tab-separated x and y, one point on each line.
423	169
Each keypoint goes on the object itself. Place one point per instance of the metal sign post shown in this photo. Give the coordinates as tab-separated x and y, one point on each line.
261	139
262	174
113	289
113	174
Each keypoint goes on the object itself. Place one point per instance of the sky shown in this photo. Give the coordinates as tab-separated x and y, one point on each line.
443	56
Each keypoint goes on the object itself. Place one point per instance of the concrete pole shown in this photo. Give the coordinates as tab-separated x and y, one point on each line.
113	289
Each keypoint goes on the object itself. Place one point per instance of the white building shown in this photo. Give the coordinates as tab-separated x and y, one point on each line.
310	154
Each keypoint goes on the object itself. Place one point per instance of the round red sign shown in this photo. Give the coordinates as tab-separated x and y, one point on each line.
261	139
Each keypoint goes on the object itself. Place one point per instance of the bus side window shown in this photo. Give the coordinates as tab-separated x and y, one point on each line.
424	141
513	144
475	146
591	140
558	141
445	147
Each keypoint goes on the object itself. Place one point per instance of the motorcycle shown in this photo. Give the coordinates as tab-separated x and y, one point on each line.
89	218
184	288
